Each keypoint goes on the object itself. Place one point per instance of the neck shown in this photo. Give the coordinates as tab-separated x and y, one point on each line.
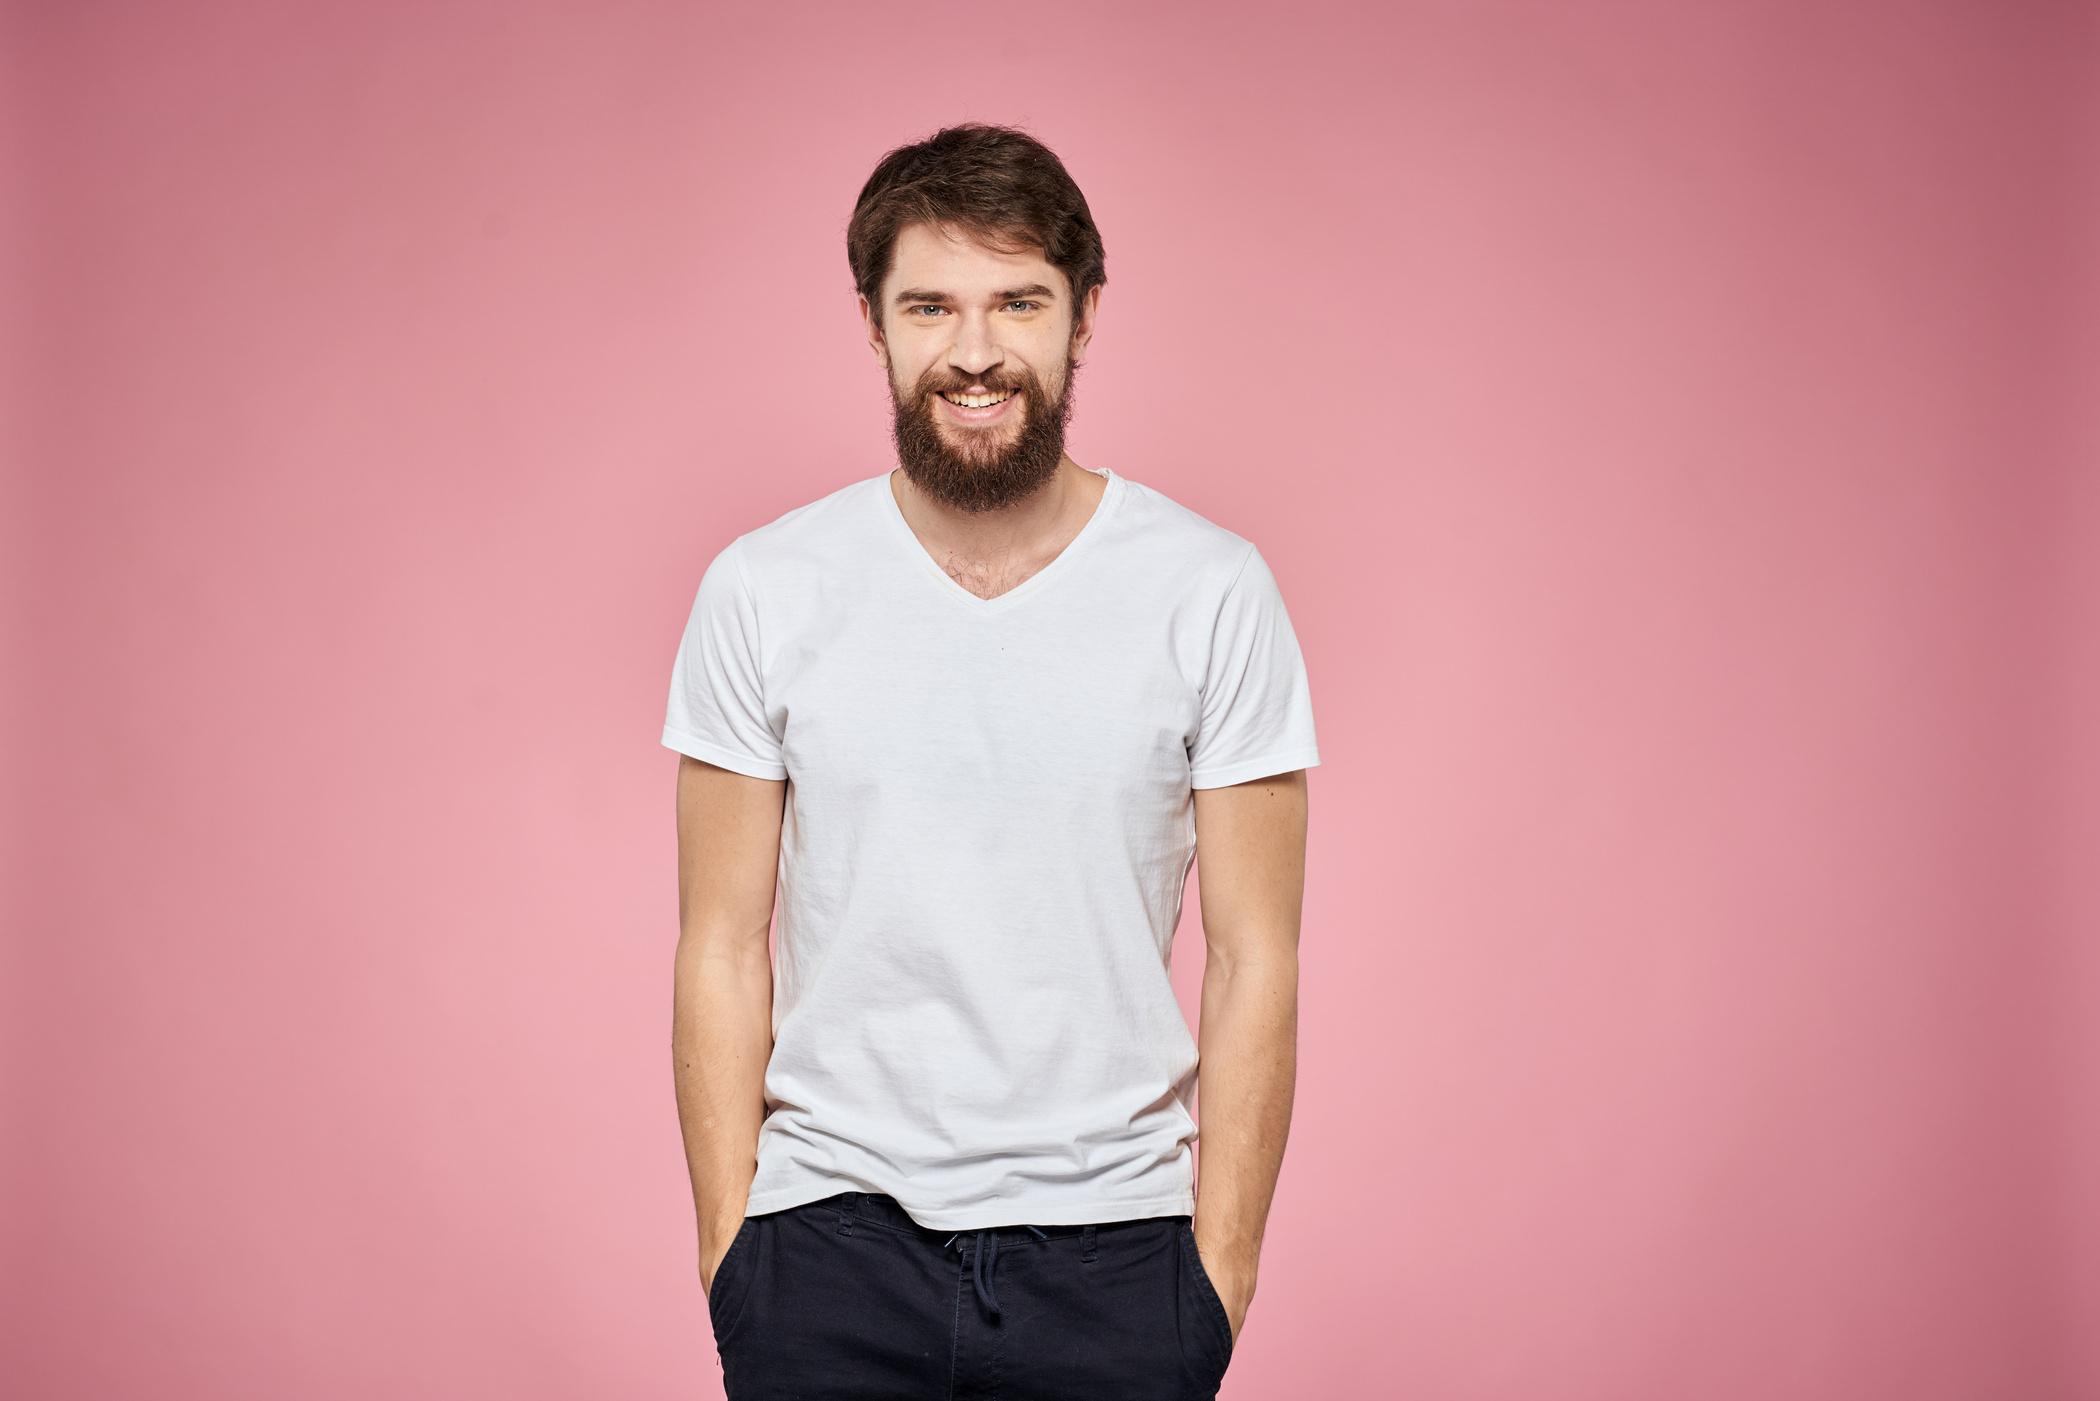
989	552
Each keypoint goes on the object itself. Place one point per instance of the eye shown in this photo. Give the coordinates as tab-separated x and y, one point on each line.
1020	306
927	311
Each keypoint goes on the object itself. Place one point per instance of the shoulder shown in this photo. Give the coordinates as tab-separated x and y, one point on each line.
827	532
1180	540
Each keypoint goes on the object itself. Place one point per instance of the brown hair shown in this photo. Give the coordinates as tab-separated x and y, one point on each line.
996	183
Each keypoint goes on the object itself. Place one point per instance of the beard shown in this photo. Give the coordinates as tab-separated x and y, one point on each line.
984	468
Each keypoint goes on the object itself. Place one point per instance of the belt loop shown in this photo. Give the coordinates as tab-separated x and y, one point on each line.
846	1210
1086	1238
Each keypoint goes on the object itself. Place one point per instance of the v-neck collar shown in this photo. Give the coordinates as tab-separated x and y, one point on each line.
1028	587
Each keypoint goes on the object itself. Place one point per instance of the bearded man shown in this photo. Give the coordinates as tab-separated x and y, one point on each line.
973	720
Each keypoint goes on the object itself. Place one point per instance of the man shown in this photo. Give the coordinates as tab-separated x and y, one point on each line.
975	718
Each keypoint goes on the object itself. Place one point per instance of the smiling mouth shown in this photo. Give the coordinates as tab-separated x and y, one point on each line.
977	401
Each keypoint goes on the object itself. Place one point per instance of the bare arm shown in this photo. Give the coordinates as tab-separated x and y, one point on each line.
722	1004
1250	869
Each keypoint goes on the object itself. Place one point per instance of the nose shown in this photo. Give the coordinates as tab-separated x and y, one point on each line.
974	350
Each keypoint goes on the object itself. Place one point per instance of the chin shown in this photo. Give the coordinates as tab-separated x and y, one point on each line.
983	447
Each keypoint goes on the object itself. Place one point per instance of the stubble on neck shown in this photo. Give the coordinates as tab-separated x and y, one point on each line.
994	552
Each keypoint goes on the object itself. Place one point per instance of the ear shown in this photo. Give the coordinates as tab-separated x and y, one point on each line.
877	342
1083	324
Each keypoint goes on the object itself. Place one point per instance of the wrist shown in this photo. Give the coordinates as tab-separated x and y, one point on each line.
719	1219
716	1234
1232	1266
1233	1252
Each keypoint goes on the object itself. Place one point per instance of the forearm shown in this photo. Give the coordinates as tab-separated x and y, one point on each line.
1248	1041
1250	867
722	997
721	1039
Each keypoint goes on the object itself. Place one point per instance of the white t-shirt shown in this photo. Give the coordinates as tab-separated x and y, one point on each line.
988	826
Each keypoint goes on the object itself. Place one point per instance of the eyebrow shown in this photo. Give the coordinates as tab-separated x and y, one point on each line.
914	294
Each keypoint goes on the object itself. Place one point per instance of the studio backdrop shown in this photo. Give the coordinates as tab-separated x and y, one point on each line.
1673	428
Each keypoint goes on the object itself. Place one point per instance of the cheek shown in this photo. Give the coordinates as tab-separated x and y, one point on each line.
1052	376
1050	358
907	366
904	378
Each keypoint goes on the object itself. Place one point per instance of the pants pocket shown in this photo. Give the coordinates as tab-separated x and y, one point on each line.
1211	1306
725	1293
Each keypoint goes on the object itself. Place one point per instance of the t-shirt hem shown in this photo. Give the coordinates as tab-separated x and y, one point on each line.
700	749
1287	761
1091	1211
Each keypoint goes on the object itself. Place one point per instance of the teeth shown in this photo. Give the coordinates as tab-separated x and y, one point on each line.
977	401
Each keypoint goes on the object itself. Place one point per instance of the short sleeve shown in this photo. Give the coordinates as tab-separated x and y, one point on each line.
1257	709
718	707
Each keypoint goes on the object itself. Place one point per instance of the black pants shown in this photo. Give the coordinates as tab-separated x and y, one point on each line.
850	1298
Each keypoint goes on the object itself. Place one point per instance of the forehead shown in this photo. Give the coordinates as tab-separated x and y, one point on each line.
927	258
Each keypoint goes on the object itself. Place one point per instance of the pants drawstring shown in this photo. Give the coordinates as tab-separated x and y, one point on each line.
983	1260
984	1263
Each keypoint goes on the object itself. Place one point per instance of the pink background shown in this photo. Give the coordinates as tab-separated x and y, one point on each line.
1674	429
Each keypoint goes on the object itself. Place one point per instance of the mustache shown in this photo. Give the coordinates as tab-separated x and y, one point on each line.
946	379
